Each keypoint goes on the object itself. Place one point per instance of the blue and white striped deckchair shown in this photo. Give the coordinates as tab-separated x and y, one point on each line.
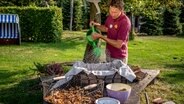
9	27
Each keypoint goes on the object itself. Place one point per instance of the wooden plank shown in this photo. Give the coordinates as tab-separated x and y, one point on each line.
139	86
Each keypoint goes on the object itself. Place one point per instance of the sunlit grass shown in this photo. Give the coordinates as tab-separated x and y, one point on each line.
19	81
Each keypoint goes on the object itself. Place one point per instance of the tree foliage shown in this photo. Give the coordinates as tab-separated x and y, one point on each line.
151	9
66	14
172	24
77	15
152	26
182	13
27	2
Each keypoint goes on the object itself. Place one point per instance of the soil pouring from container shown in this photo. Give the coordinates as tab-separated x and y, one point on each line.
118	91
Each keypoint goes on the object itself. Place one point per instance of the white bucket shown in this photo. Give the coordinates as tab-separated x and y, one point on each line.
118	91
107	100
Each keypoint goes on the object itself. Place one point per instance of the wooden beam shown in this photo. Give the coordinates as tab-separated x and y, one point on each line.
139	86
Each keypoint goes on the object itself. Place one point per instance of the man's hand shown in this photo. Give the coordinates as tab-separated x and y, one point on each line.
98	26
92	23
96	36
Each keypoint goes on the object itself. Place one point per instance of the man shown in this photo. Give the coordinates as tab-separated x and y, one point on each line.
117	26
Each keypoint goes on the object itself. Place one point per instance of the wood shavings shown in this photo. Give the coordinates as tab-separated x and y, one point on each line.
70	96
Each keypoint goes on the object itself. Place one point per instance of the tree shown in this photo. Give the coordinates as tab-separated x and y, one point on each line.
181	17
77	15
172	24
66	14
71	13
148	8
152	26
134	7
152	18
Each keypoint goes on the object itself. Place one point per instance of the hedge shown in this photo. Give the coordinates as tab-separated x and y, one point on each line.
38	24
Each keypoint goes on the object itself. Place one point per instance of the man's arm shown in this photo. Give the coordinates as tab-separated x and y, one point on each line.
114	43
102	28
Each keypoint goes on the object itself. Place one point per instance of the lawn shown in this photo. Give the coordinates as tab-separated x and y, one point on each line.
19	83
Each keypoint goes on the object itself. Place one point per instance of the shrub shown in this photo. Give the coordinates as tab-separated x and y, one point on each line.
6	3
38	24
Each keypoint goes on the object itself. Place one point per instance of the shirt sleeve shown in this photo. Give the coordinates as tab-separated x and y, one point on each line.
124	30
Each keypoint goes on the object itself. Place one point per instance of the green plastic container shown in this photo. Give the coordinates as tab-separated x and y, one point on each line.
93	43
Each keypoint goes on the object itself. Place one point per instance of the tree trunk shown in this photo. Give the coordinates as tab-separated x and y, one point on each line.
132	33
89	57
71	14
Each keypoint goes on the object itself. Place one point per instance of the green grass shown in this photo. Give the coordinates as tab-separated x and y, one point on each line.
20	84
165	54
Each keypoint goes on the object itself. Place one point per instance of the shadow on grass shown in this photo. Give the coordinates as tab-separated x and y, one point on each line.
7	76
71	43
177	63
64	44
174	76
26	92
175	66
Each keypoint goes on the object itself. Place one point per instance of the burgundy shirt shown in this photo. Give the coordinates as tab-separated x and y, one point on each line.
118	29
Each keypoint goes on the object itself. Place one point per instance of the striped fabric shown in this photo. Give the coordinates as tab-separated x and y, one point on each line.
8	30
9	18
9	26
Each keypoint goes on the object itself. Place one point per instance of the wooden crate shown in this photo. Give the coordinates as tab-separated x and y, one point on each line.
75	81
